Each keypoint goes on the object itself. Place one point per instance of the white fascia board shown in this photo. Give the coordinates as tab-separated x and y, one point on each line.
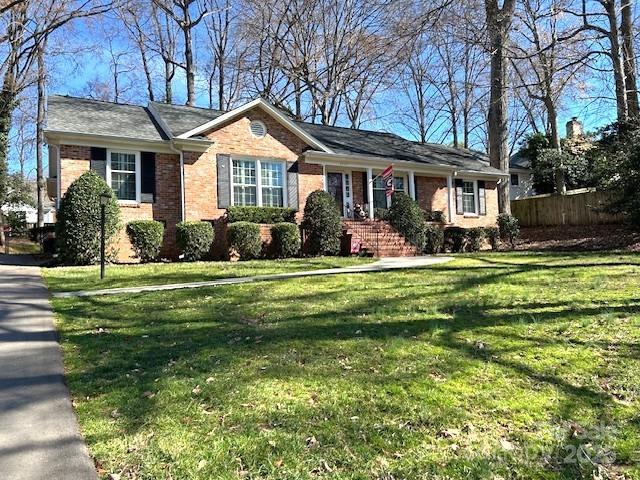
112	141
363	161
267	107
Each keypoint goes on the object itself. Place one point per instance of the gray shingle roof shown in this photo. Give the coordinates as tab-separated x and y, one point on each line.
81	115
518	160
388	145
182	118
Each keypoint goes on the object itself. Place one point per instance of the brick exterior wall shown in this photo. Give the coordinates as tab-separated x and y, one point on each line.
75	160
488	220
431	194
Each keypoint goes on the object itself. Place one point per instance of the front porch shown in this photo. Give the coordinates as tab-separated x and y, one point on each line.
361	187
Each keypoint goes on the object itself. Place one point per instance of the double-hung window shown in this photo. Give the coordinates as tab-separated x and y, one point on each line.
380	194
124	175
258	183
244	183
469	197
272	184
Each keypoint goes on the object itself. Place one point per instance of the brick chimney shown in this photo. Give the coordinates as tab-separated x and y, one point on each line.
574	128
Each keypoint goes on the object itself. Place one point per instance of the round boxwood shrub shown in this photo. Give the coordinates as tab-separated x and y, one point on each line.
146	238
434	239
509	228
475	238
322	224
194	239
78	225
244	238
406	216
285	240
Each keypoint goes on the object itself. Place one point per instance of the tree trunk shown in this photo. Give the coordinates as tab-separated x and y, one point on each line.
221	79
191	74
558	172
626	29
168	76
616	59
498	23
7	104
40	181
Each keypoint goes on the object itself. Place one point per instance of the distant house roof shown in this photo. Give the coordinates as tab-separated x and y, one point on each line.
94	117
85	116
518	160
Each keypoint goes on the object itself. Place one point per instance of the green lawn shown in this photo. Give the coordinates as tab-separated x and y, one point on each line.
494	366
71	279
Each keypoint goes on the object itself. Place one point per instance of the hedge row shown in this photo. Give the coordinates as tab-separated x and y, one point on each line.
269	215
458	239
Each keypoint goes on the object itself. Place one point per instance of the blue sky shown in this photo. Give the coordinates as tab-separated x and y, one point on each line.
70	74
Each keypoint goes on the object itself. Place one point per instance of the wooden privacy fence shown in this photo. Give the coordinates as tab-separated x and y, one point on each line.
576	207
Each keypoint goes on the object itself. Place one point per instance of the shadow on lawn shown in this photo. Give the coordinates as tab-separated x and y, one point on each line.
189	336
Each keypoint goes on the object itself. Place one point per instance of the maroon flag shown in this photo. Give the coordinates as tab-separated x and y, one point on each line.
387	179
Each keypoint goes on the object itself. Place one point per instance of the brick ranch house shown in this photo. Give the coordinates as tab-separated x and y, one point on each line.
172	163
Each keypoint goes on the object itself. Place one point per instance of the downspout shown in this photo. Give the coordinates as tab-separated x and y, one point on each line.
449	189
172	146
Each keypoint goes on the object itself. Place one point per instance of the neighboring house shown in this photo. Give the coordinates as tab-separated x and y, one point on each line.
520	177
31	213
174	163
521	174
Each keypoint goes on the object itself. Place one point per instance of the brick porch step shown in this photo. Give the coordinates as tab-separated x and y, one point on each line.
378	238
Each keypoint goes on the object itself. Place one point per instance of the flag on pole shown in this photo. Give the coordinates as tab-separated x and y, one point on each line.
387	179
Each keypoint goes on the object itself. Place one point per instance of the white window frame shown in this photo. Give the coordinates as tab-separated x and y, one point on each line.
258	161
405	190
138	174
476	199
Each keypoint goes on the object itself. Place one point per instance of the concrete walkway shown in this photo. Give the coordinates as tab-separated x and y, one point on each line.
39	437
379	266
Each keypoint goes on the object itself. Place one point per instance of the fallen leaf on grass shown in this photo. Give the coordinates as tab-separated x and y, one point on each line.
448	433
506	445
196	390
201	464
148	394
312	442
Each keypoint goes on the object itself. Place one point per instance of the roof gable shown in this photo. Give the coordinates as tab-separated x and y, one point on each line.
267	108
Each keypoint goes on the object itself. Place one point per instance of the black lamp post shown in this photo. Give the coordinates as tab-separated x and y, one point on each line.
105	198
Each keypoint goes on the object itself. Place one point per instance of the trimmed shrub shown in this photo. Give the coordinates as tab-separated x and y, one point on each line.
244	238
261	214
285	240
322	224
475	238
455	239
509	228
146	238
78	226
436	216
406	216
194	239
493	234
434	239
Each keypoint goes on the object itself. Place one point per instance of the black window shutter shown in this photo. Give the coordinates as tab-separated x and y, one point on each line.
365	188
98	161
223	168
482	197
415	187
459	208
292	185
148	180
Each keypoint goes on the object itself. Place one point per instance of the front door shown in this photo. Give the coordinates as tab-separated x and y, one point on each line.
335	189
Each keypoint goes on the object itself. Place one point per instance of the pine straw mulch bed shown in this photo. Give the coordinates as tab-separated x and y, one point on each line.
586	238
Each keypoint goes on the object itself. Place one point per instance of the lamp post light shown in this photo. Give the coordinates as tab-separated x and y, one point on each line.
105	198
